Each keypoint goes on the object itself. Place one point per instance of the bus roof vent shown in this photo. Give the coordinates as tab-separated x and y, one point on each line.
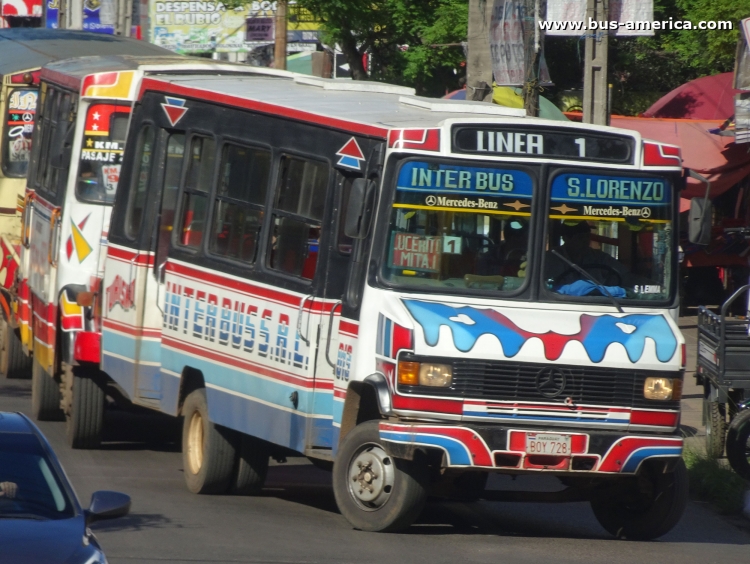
460	106
354	85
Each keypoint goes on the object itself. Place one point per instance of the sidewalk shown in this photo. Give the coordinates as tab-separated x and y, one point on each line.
692	395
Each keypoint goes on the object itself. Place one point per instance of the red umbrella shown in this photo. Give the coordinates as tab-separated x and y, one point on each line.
710	97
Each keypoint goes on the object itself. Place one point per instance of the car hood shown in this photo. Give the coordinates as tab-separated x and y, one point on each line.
40	542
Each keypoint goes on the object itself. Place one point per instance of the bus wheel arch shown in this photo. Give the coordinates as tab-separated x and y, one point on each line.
366	400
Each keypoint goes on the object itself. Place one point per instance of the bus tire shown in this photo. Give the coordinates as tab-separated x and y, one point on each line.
374	491
647	507
13	361
252	466
738	444
45	395
85	413
208	451
716	428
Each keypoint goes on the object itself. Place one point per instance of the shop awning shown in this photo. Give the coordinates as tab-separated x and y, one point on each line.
706	98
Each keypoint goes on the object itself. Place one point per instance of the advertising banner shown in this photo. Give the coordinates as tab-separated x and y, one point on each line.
621	11
200	27
31	8
99	15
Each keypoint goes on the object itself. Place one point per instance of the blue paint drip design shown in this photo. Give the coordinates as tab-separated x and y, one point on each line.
597	333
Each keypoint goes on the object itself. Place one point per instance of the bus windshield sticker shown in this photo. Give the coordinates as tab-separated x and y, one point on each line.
21	115
614	198
539	142
351	155
428	185
174	108
417	252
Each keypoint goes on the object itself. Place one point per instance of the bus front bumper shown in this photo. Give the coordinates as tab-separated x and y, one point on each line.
503	448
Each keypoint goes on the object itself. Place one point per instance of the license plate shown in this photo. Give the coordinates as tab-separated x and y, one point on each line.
548	443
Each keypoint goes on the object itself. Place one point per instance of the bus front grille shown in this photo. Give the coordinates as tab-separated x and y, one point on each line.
546	383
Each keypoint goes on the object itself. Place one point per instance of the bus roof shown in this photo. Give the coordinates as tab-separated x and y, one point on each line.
31	48
72	73
367	108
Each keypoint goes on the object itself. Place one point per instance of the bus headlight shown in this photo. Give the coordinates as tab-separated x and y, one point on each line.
436	375
661	388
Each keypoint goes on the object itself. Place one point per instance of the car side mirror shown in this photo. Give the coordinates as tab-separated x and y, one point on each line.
699	216
359	209
107	505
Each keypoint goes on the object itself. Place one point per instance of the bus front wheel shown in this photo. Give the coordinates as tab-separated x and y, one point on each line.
374	491
646	507
208	451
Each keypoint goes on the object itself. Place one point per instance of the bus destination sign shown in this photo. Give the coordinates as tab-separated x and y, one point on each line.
544	143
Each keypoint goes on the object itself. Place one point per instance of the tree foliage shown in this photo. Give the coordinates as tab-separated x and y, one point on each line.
406	39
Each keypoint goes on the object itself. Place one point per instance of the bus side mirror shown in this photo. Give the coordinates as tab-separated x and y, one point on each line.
359	208
699	217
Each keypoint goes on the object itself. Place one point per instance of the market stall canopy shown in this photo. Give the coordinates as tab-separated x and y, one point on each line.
717	158
709	97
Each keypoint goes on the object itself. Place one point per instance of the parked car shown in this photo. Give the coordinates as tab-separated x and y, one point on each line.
41	519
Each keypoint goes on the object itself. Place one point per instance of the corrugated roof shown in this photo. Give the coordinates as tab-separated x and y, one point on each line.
30	48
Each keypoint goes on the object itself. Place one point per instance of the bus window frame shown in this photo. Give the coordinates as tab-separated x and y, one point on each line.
5	141
125	199
91	103
304	283
548	296
528	291
175	242
253	265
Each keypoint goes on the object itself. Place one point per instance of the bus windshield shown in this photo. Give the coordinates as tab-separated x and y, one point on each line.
101	152
617	229
457	226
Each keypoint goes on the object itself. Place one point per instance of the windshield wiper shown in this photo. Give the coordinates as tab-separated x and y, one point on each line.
601	287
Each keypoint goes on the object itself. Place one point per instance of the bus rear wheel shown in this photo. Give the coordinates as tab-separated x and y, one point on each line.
208	451
45	395
252	466
374	491
13	361
646	507
83	401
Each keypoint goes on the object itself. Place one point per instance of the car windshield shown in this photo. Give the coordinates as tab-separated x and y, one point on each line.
458	226
617	229
101	153
29	485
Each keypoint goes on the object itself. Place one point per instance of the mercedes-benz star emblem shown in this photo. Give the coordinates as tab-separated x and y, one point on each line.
551	381
430	200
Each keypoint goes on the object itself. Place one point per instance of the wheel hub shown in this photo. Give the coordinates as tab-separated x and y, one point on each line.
195	443
371	476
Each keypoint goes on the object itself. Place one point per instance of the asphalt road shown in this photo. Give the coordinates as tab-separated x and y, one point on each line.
295	520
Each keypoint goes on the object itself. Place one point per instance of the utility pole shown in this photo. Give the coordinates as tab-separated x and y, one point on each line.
532	63
478	60
595	92
279	51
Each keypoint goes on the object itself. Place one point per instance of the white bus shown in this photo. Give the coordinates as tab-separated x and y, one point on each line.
419	291
84	109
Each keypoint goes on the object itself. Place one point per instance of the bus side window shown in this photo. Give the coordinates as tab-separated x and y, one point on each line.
44	134
137	198
297	216
170	189
240	202
39	132
197	185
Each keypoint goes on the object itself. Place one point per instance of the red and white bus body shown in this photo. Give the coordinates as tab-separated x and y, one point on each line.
85	109
229	271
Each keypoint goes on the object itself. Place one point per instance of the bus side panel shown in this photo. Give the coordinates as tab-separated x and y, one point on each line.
242	338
